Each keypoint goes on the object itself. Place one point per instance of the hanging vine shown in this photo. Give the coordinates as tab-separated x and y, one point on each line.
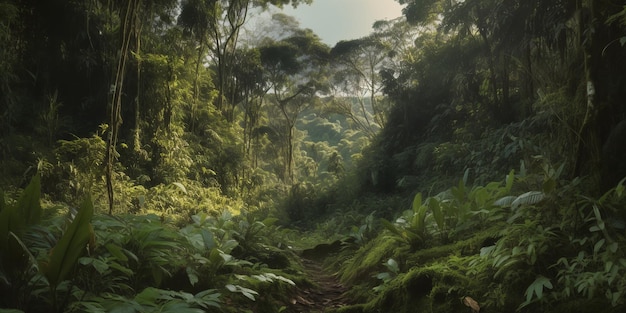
116	96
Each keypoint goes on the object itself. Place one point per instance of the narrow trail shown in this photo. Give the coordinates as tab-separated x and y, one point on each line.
328	293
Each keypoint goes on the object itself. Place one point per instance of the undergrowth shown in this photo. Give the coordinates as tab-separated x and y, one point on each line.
84	262
508	247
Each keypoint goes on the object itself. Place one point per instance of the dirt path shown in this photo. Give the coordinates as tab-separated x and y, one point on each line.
328	294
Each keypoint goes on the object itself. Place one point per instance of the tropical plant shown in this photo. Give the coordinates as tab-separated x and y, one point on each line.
596	266
362	234
410	228
64	256
18	265
153	300
390	274
21	236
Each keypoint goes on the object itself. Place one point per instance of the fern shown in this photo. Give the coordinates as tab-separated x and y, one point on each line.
505	201
529	198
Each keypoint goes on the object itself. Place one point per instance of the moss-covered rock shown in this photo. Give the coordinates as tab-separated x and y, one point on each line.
436	288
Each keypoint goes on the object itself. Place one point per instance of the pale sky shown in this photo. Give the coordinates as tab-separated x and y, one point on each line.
335	20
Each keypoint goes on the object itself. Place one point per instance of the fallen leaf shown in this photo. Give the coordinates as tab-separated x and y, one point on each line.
468	301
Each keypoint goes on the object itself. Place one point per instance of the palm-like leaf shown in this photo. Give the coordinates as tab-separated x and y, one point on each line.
70	247
529	198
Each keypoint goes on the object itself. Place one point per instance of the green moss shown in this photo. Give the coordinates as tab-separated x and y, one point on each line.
435	288
470	246
368	259
434	279
360	293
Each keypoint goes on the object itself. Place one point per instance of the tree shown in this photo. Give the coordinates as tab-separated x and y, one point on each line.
295	69
356	77
357	65
533	55
216	25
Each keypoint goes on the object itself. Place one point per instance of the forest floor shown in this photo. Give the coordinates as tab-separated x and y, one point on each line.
325	294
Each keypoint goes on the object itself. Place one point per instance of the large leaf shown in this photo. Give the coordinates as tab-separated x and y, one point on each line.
419	214
70	247
505	201
180	186
391	227
17	258
536	289
417	202
9	222
27	211
529	198
28	205
438	214
509	181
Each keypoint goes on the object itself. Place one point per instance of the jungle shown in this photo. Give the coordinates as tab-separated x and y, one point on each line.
168	156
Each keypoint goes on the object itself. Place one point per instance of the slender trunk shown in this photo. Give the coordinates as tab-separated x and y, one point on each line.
587	147
529	87
505	104
288	174
167	115
116	100
196	87
137	132
492	73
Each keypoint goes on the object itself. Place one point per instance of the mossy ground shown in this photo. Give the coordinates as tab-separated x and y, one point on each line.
432	279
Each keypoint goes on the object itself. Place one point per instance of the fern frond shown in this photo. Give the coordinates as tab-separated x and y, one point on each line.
531	197
505	201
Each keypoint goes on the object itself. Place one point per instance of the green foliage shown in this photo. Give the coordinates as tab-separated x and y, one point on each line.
410	228
450	213
80	167
390	274
139	252
597	265
367	259
26	212
173	159
519	255
364	233
50	121
71	246
535	290
153	300
17	263
467	93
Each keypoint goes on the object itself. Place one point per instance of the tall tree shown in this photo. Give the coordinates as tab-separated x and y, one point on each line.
358	63
296	72
216	25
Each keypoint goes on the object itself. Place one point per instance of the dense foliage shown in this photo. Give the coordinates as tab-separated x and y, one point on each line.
158	156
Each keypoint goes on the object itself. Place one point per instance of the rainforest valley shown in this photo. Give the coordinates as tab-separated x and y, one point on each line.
174	156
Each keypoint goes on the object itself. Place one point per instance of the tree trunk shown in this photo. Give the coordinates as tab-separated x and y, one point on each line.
588	145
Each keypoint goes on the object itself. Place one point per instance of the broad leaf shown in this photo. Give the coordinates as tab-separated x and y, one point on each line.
435	207
28	205
509	180
27	211
180	186
117	252
417	202
70	247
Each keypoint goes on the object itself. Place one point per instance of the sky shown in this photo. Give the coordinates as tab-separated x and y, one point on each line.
335	20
